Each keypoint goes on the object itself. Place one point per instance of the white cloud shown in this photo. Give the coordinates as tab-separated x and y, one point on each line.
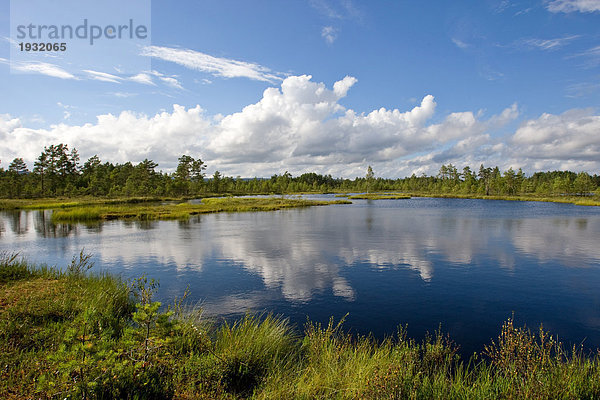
329	33
216	66
125	137
305	126
301	127
323	7
572	135
524	11
55	71
66	110
582	89
460	44
507	115
341	10
169	80
548	44
144	78
173	82
568	6
502	6
42	68
123	95
591	57
103	76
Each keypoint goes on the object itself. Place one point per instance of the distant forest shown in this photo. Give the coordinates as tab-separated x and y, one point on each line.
58	172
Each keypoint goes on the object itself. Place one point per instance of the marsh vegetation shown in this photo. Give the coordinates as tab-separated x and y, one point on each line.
152	209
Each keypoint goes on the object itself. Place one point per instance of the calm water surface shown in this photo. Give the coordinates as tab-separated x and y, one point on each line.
464	264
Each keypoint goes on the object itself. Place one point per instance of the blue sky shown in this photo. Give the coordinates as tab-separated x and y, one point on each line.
261	87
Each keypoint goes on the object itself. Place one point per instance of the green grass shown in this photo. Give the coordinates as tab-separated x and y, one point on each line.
577	200
38	307
66	333
65	203
379	196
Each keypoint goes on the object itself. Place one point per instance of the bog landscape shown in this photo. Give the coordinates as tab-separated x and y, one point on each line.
309	199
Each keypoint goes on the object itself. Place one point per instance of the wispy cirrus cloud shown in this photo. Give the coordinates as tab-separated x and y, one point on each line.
55	71
337	12
591	57
123	95
147	78
42	68
168	80
103	76
144	78
582	89
547	44
217	66
569	6
341	9
39	68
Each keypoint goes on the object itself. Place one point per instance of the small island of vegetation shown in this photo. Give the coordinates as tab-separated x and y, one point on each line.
74	212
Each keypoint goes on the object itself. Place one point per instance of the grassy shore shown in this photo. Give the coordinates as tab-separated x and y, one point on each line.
72	334
378	196
577	200
151	209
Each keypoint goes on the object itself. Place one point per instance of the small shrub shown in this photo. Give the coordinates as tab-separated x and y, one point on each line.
80	265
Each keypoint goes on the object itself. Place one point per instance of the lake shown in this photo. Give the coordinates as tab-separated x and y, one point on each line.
465	264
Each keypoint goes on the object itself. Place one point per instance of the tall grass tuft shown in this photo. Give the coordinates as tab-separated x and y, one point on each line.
76	214
250	349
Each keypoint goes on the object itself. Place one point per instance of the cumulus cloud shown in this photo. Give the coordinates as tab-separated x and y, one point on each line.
304	122
217	66
302	126
572	135
117	138
568	6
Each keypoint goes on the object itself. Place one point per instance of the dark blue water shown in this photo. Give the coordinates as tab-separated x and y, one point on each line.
465	264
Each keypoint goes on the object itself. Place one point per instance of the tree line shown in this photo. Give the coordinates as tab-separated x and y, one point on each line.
58	172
